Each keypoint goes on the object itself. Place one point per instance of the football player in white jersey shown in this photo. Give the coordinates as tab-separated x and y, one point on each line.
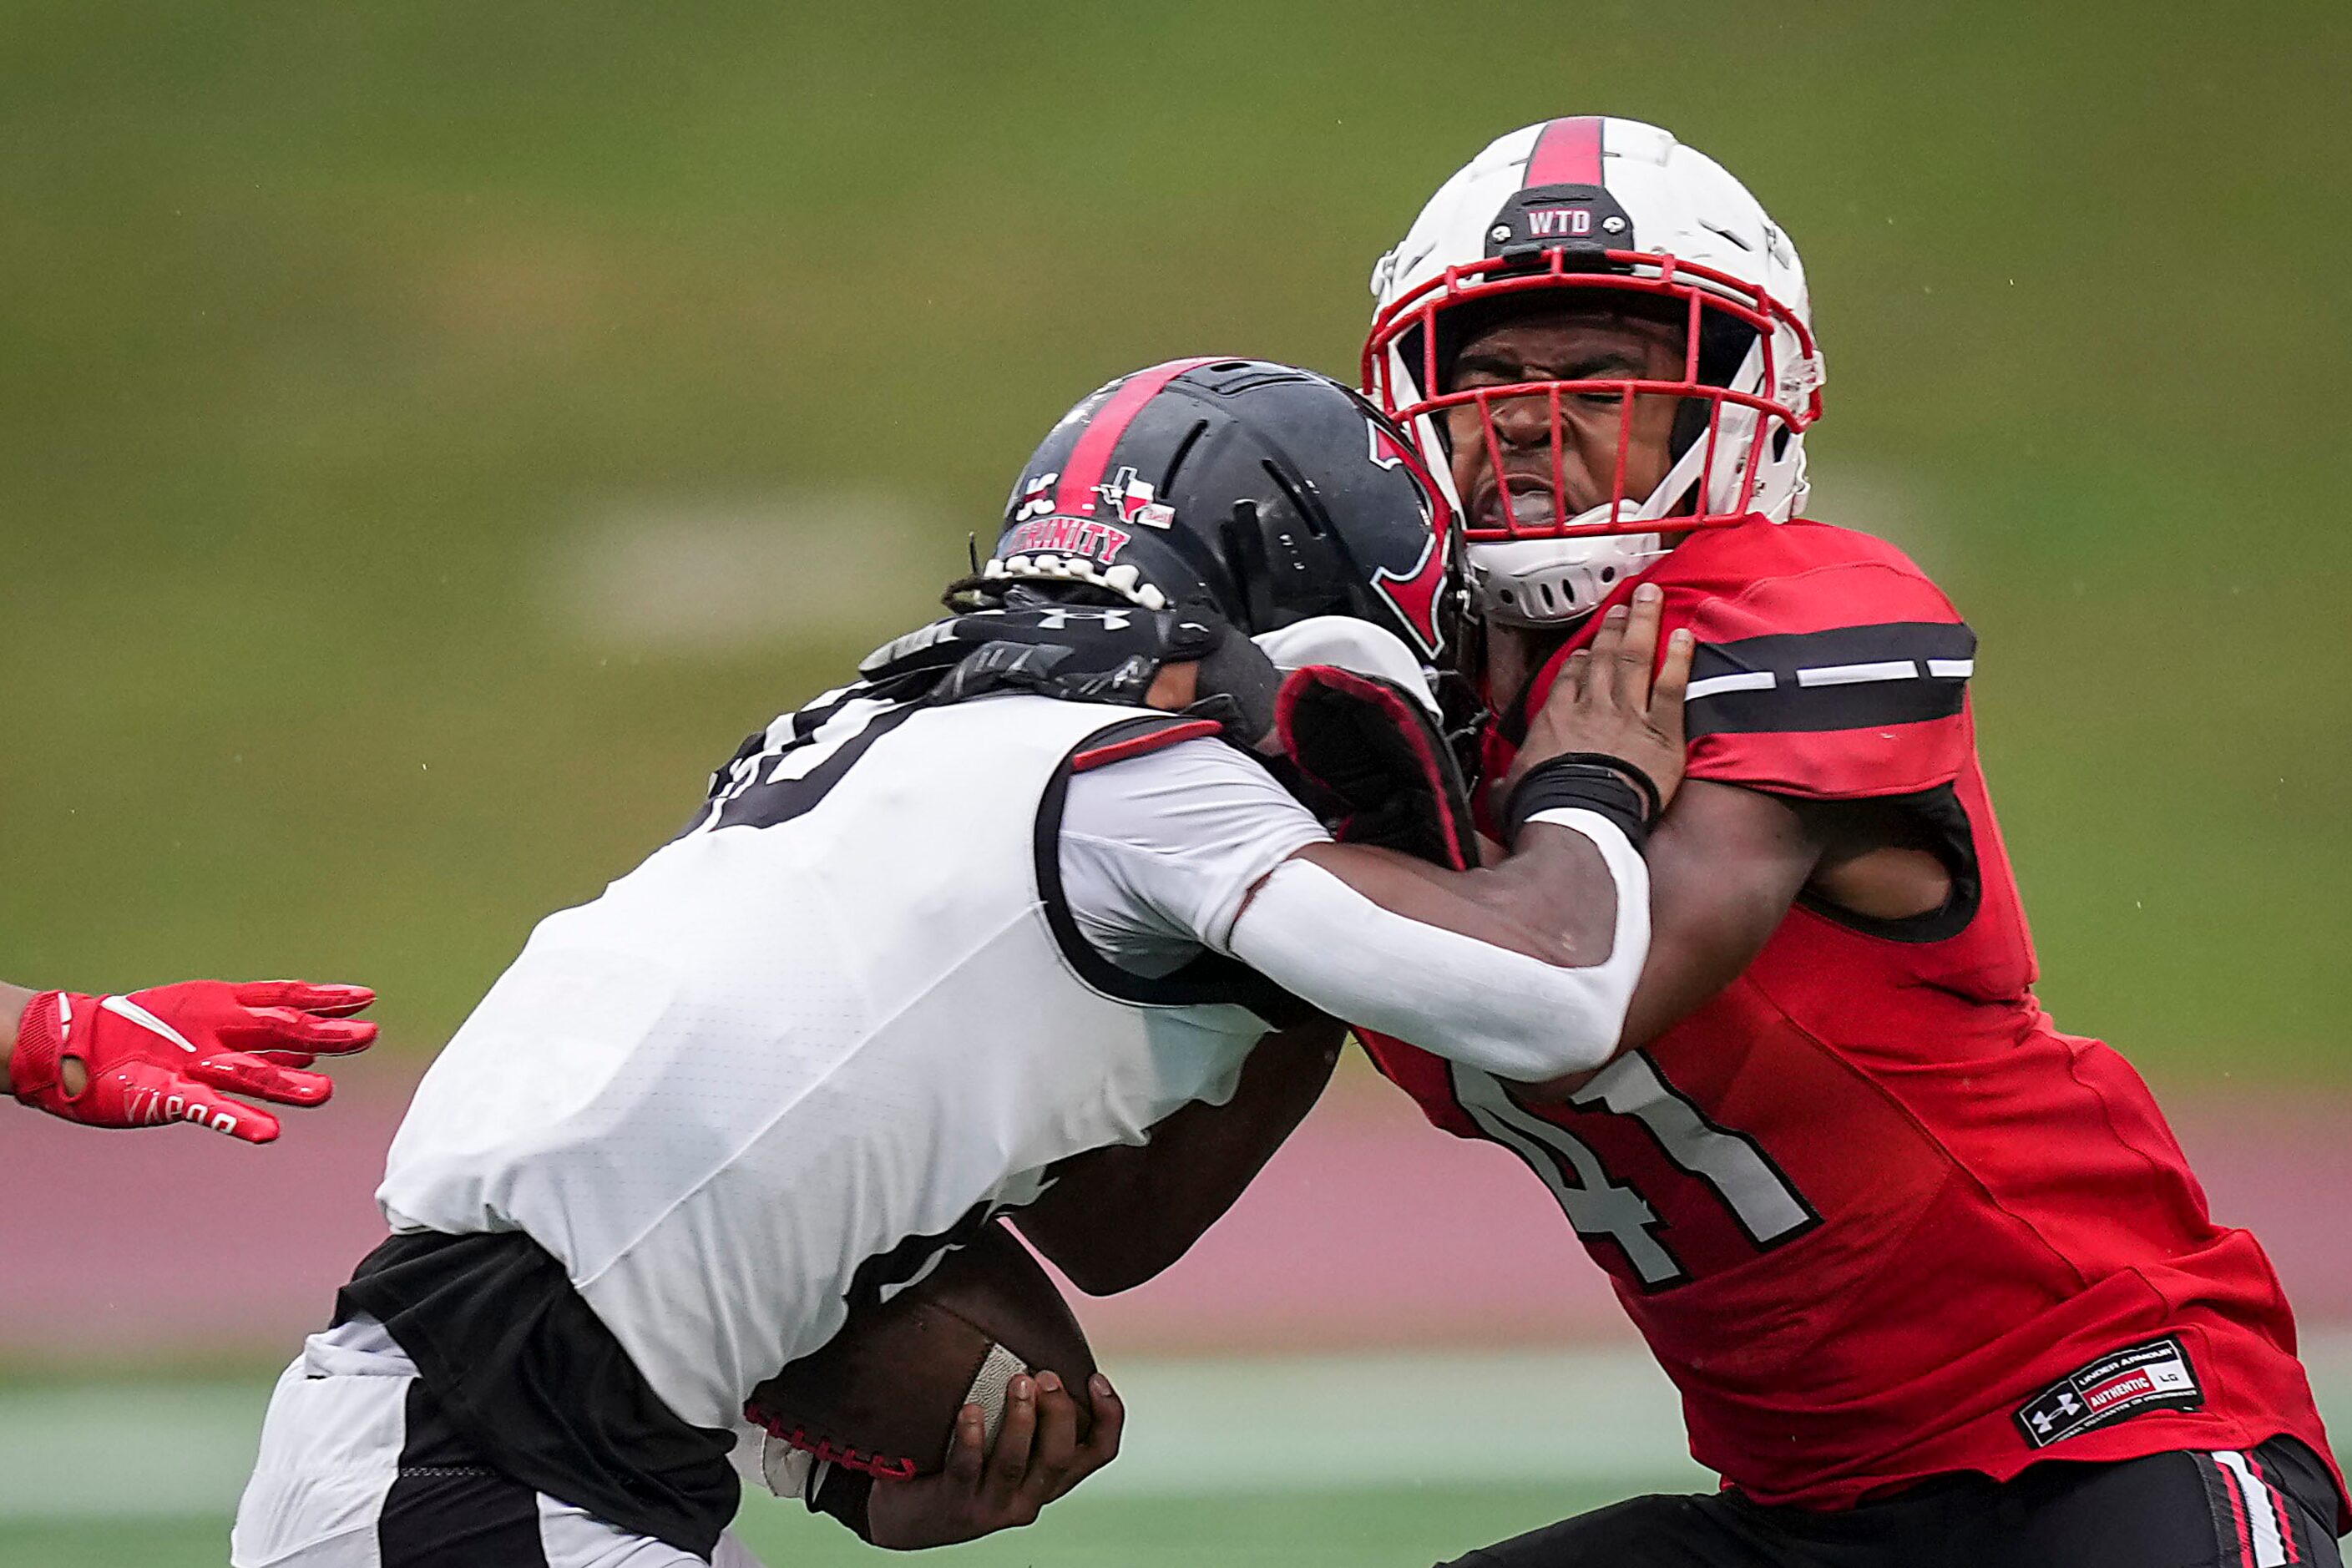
1029	891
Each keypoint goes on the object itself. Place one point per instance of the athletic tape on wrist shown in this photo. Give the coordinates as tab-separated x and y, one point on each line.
1587	782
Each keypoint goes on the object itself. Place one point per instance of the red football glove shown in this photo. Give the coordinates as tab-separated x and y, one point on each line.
165	1055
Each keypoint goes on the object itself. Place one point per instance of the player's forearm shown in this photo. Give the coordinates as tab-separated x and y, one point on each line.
1116	1217
13	1000
1554	899
1490	969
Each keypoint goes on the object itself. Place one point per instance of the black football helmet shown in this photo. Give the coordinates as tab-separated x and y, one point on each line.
1259	491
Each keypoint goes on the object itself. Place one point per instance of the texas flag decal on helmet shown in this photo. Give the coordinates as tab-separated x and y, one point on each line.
1131	496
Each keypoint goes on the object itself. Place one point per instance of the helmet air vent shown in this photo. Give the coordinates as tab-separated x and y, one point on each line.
1183	450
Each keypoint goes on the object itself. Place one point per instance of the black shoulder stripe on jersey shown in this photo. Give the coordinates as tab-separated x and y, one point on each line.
1787	652
1847	678
1208	979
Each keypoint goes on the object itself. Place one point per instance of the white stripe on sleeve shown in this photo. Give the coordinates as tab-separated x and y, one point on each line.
1740	681
1857	674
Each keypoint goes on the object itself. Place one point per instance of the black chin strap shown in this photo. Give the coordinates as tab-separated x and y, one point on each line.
1237	685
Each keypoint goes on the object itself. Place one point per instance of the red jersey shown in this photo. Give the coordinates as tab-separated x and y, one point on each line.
1877	1217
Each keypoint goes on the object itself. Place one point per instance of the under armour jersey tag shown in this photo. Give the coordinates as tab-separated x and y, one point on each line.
2118	1385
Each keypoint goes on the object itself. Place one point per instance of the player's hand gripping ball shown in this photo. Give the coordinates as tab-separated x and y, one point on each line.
972	1397
176	1052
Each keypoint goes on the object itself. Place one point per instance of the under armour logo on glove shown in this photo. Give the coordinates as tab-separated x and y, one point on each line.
1078	652
167	1053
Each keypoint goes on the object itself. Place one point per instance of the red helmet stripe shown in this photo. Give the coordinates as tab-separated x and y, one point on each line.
1075	493
1567	152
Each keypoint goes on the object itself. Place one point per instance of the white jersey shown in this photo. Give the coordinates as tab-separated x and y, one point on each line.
779	1068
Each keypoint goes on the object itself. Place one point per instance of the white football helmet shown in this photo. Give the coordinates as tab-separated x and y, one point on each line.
1600	204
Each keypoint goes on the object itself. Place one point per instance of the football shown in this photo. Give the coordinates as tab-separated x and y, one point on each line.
883	1393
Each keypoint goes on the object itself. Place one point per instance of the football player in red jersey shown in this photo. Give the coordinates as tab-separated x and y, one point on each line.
1933	1277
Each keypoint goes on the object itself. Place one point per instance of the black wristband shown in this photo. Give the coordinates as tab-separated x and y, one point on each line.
1584	783
844	1493
1654	803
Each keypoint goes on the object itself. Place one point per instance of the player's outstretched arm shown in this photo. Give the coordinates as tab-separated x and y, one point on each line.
1524	969
176	1053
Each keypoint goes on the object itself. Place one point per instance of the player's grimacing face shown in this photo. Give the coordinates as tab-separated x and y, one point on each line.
1562	345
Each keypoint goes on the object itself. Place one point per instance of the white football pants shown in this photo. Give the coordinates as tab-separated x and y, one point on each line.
335	1488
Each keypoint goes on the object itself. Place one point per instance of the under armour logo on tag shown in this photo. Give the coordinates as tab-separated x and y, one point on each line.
2067	1404
2154	1375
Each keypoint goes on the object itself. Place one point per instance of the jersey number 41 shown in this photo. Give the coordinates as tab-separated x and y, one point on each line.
1611	1207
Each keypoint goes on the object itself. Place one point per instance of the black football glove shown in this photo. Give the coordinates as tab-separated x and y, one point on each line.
1376	767
1084	652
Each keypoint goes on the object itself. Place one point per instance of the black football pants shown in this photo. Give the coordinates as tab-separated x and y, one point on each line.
2261	1508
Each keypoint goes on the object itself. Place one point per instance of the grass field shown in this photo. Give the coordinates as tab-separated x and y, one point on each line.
1412	1525
1390	1462
1365	1459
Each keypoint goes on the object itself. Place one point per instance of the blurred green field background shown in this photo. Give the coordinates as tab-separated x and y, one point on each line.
1345	1529
340	344
1387	1459
1387	1462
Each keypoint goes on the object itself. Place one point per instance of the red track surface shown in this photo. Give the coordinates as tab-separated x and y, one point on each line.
1368	1229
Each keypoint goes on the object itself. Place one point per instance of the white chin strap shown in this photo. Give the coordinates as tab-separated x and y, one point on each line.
1554	582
